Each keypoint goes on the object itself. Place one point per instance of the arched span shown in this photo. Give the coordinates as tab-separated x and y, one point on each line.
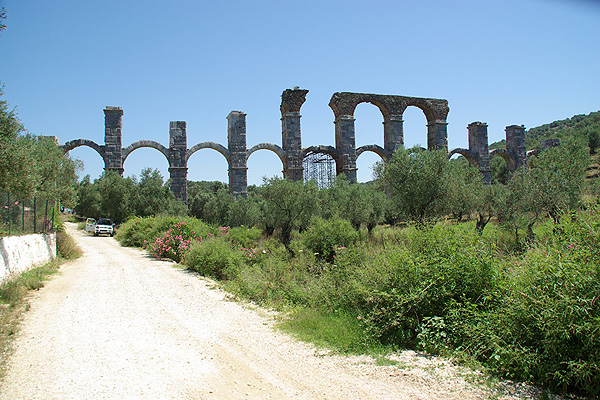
267	146
385	155
330	150
344	103
70	145
510	161
207	145
466	154
145	143
416	149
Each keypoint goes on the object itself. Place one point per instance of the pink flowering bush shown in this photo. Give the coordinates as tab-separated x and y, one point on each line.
175	242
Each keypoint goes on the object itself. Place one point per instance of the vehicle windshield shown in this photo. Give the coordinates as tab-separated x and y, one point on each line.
104	221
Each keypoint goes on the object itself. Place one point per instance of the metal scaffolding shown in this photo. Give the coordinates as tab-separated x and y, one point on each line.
320	168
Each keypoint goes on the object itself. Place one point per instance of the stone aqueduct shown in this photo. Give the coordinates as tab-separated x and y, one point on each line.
291	153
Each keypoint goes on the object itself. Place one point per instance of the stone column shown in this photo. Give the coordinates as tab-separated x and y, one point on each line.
177	163
238	169
549	143
515	144
393	133
345	143
292	144
437	136
291	101
478	147
113	124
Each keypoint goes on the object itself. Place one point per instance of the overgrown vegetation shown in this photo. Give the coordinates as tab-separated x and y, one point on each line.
506	276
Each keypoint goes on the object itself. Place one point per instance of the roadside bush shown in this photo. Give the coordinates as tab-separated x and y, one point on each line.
175	242
438	268
245	237
66	246
324	236
548	321
143	232
215	257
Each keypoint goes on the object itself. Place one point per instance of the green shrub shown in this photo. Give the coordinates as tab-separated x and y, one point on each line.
215	257
550	319
245	237
439	266
323	237
66	246
143	232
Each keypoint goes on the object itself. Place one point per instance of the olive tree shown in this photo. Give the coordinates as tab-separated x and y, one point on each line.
287	206
417	181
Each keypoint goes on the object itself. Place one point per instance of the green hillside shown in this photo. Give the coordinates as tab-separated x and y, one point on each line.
585	129
582	127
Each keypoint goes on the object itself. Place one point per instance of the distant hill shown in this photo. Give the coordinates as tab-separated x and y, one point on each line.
586	127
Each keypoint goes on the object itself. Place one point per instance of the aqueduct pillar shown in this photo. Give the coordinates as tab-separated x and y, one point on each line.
177	161
478	148
238	169
345	143
437	135
291	101
393	133
113	126
515	144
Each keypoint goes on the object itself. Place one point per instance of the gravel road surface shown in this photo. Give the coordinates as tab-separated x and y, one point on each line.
118	324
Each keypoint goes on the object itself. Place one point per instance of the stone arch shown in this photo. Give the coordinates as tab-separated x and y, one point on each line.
329	150
268	146
511	163
70	145
380	151
344	103
254	167
207	145
145	143
466	154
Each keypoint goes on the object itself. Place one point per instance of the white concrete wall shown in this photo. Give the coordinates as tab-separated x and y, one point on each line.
22	253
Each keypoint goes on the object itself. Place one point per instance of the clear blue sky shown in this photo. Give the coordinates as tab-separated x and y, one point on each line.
502	62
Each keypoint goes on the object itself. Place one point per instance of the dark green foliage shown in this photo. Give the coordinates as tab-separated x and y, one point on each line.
245	237
578	127
287	206
417	181
438	267
325	237
360	204
143	232
117	197
215	257
112	196
216	208
553	185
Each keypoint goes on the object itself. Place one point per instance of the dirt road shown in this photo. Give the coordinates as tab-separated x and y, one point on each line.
117	324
